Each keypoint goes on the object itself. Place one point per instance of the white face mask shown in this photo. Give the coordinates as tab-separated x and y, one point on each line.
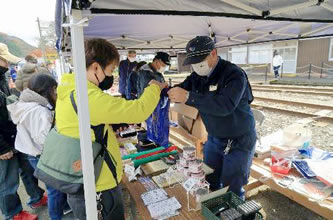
202	68
131	59
162	69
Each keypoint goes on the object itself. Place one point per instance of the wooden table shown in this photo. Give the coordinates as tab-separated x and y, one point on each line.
258	170
136	189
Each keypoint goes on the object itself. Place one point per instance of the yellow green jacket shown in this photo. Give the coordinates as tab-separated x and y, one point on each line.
103	109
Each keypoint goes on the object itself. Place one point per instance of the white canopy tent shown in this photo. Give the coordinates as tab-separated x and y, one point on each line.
168	25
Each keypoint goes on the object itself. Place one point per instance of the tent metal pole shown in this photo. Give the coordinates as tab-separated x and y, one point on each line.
317	30
243	7
269	33
327	6
84	117
293	7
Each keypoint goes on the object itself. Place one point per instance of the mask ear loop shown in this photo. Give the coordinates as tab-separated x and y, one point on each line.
96	74
97	78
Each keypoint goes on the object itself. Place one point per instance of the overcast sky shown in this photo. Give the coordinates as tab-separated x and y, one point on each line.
18	17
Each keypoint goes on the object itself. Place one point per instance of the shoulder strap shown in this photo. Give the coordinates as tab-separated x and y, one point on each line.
73	101
98	131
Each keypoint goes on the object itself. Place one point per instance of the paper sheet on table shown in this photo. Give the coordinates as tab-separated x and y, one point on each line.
322	169
166	207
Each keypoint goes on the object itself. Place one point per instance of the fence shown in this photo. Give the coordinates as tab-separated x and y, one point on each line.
307	72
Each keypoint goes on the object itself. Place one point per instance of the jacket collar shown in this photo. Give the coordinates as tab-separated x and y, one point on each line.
31	96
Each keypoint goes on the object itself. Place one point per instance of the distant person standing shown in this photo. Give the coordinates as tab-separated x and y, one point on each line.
30	67
277	62
125	68
13	73
50	68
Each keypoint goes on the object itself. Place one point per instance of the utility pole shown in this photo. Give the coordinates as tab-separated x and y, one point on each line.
41	40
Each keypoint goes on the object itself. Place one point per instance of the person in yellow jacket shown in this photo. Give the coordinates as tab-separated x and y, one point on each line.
101	59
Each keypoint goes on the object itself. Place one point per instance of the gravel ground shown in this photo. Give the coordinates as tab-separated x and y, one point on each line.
321	133
278	207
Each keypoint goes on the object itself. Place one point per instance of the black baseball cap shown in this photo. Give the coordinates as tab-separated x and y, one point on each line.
198	49
164	57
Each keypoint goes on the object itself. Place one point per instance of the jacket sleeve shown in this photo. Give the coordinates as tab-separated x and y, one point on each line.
121	68
4	145
107	109
19	81
187	83
222	103
41	125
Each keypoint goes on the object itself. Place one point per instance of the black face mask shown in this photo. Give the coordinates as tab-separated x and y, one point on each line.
106	83
3	70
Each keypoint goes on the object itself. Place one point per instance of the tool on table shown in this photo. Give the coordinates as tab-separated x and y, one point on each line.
230	214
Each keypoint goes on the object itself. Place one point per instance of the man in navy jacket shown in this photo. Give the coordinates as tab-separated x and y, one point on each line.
221	92
125	68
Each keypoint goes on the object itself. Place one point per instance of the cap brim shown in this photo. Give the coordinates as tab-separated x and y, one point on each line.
11	58
193	60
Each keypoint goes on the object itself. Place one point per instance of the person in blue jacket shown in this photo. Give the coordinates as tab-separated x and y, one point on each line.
125	68
221	92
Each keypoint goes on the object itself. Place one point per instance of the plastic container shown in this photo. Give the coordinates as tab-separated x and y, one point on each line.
296	136
196	166
189	153
282	158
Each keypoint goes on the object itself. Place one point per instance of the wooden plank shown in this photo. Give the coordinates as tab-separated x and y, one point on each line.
258	170
253	183
136	189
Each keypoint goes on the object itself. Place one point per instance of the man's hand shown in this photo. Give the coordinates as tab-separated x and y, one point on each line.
178	94
7	155
161	85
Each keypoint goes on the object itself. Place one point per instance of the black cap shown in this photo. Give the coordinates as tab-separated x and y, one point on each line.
198	49
164	57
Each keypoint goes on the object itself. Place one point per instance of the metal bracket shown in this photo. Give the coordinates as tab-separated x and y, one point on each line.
82	23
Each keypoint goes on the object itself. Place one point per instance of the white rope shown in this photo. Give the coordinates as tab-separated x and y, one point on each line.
301	67
328	65
318	67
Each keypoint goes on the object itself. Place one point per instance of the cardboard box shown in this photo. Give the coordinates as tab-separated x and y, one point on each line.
190	126
189	119
199	129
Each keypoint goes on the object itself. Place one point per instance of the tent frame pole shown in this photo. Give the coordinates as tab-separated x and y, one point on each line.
83	113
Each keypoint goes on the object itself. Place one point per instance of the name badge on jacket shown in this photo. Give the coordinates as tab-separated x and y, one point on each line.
212	88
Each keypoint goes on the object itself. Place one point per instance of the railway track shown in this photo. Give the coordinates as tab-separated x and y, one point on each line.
316	111
293	89
308	92
295	103
303	88
294	112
